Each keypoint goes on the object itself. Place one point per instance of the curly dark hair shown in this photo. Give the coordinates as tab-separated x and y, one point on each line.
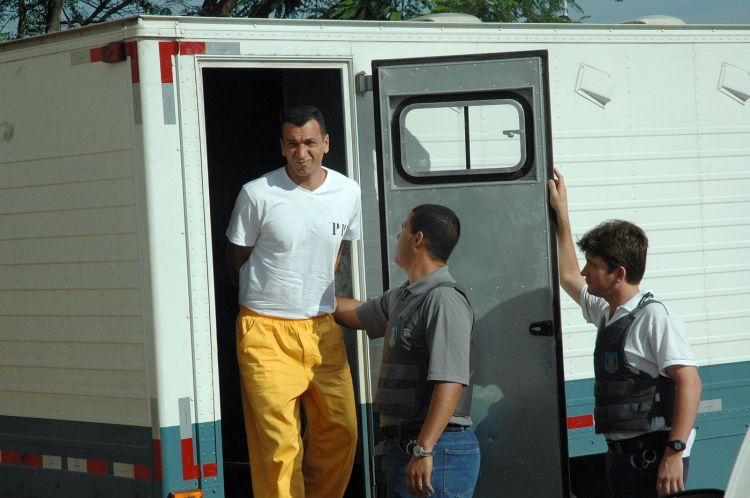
618	243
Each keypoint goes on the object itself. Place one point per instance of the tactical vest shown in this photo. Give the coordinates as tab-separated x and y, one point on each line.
402	386
625	397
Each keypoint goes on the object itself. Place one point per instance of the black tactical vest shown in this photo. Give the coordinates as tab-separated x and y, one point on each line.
625	397
402	386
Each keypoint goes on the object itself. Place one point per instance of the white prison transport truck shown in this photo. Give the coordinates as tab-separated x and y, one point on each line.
123	147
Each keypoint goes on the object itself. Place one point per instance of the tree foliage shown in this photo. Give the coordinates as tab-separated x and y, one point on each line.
510	10
20	18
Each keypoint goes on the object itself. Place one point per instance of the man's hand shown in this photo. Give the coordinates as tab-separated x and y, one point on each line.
418	474
570	273
558	195
445	397
236	257
669	478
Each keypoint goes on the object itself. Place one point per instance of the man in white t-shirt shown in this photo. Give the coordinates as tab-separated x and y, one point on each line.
285	236
647	387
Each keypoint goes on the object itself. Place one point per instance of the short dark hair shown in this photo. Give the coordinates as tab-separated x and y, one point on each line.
618	243
440	228
299	116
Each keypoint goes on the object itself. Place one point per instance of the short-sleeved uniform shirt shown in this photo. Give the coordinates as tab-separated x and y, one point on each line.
656	339
296	235
443	325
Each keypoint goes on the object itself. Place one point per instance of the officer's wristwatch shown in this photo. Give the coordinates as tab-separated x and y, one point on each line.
677	445
420	452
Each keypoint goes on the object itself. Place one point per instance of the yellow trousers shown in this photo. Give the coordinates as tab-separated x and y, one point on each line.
282	363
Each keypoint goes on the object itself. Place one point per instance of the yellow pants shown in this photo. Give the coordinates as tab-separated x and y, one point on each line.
283	362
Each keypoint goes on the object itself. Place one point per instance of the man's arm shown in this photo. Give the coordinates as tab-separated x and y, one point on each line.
570	273
445	397
338	257
687	398
346	313
236	257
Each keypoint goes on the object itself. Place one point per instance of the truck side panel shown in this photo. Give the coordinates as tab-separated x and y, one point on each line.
669	152
70	223
73	370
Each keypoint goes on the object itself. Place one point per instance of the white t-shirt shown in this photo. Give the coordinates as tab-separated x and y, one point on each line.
656	340
296	235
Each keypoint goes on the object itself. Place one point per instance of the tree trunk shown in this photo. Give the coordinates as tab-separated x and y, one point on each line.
54	15
21	31
222	8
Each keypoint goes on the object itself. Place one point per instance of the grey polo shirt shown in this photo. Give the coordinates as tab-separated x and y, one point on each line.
442	325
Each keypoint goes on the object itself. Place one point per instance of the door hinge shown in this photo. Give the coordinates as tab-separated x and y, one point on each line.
362	83
114	52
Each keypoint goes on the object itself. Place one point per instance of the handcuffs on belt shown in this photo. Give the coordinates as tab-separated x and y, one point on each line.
646	461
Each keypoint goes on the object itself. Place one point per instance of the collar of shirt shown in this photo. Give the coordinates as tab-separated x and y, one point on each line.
293	186
625	308
420	286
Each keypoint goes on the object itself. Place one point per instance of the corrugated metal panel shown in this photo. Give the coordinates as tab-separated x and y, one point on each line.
670	154
634	159
724	152
71	327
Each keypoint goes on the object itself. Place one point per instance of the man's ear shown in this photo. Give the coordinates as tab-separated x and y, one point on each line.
621	273
418	239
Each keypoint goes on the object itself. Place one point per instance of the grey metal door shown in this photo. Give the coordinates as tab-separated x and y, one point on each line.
472	133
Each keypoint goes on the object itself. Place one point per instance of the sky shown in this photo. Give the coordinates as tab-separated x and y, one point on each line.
690	11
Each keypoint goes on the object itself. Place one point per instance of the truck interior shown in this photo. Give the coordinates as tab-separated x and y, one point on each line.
242	108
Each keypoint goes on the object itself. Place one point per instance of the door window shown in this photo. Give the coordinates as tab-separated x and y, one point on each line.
449	138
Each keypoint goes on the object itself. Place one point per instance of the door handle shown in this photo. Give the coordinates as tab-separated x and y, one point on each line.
542	328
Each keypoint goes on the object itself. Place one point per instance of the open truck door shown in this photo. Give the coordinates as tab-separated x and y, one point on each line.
473	133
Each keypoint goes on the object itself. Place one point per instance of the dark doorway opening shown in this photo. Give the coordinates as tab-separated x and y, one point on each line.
242	110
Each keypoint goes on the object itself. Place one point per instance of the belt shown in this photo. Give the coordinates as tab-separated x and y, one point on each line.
650	440
412	429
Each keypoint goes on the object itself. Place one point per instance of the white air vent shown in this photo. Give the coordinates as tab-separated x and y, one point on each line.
448	17
655	21
735	82
595	85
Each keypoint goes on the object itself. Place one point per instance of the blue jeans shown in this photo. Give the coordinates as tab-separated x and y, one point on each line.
629	479
455	465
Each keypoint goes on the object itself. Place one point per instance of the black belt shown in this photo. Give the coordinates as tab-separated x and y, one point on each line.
651	440
412	429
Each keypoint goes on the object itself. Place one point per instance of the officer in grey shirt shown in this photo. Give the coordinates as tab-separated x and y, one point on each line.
425	385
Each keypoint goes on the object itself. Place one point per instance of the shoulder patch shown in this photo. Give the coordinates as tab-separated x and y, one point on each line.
611	361
393	336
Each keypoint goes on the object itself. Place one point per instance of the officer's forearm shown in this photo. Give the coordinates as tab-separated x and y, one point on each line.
346	313
687	399
570	273
445	397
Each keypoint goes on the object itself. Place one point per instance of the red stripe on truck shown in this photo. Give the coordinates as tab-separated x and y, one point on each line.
96	467
580	422
32	460
158	469
189	469
166	51
131	50
142	472
10	457
210	470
